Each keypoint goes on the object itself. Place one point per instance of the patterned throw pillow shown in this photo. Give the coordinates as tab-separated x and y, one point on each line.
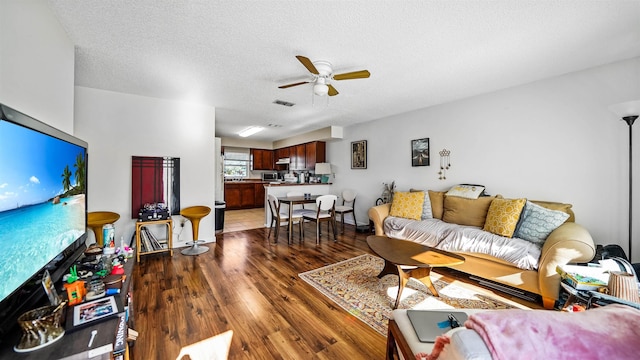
503	216
407	205
537	222
426	206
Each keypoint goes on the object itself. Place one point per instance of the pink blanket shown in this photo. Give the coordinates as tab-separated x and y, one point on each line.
610	332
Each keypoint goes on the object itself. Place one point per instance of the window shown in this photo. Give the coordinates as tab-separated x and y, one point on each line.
237	162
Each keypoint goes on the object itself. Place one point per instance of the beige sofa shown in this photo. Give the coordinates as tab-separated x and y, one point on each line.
569	243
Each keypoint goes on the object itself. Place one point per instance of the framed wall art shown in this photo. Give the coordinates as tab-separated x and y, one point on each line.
359	154
420	152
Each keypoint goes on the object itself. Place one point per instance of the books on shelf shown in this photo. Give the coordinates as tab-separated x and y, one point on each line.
583	277
149	242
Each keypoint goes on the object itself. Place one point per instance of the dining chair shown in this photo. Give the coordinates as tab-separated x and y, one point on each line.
281	217
348	206
325	212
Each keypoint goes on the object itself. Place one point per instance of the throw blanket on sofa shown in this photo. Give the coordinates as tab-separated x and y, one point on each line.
609	332
459	238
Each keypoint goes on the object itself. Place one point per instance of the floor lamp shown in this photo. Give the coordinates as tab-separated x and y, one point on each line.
628	112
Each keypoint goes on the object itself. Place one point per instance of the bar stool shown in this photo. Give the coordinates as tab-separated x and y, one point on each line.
97	219
195	214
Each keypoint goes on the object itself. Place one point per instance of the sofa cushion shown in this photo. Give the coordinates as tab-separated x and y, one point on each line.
465	240
466	191
462	211
537	222
407	205
426	206
503	216
566	208
437	203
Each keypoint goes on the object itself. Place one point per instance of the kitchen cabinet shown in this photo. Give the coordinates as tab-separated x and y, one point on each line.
315	152
302	156
244	195
262	159
281	154
298	160
259	195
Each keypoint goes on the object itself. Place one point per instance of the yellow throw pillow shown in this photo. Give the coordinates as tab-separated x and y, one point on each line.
407	205
503	216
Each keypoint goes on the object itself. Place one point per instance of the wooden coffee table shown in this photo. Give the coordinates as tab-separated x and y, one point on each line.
408	259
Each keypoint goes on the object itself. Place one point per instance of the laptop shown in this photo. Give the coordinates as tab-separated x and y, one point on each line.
430	324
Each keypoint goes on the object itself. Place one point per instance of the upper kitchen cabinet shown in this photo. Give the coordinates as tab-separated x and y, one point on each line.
262	159
305	156
298	157
283	153
315	152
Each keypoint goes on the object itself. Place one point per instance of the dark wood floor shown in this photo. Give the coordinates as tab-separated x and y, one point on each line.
247	284
251	286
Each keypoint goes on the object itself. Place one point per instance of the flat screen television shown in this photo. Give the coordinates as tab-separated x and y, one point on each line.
43	210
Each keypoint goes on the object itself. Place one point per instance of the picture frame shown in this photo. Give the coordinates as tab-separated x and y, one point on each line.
93	311
50	289
420	152
359	154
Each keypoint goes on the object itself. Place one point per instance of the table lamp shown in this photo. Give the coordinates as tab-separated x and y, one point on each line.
323	169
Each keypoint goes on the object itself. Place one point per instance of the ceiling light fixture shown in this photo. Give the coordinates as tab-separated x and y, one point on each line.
250	131
321	88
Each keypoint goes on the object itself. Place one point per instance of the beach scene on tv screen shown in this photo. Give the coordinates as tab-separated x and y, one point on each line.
42	201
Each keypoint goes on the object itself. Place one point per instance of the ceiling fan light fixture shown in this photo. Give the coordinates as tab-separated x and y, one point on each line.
320	89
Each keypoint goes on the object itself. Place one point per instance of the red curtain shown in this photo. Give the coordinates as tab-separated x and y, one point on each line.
147	184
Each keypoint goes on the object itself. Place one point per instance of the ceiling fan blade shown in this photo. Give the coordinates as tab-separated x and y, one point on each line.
362	74
332	90
308	64
290	85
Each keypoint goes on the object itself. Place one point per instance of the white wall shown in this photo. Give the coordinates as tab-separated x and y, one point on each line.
36	63
549	140
118	126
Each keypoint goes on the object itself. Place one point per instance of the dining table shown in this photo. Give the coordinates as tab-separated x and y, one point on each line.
291	201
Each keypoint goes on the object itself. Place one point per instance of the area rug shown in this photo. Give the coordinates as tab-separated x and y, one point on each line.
353	285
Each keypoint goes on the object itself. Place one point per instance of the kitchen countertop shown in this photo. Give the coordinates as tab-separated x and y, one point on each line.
246	181
272	183
295	184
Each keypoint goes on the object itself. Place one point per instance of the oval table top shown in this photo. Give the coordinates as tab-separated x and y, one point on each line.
405	252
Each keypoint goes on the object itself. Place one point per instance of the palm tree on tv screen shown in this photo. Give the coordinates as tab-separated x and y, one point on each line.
80	173
66	178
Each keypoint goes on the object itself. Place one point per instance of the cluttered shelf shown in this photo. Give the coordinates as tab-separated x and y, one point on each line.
96	329
585	287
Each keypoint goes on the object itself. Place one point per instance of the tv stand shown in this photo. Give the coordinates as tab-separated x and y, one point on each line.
73	345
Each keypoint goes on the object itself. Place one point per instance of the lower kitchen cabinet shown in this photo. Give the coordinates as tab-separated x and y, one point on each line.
243	195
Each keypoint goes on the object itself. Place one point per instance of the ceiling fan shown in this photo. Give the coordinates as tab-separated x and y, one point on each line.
322	73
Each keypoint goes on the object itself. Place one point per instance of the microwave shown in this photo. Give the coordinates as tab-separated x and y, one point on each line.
269	176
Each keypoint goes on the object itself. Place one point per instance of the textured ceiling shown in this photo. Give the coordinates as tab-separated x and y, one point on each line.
233	55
